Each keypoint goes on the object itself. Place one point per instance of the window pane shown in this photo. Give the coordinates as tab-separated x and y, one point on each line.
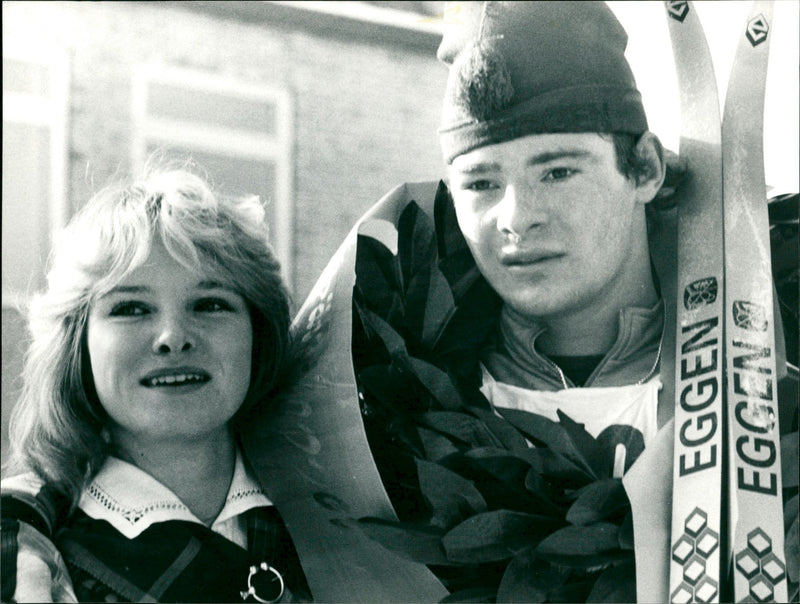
228	174
213	108
26	199
13	348
25	77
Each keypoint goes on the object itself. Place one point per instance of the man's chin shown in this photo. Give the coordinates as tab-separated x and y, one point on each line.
535	306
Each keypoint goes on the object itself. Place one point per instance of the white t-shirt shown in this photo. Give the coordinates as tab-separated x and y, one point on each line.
625	416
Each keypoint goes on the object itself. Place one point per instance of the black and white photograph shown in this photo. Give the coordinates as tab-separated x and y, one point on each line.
399	301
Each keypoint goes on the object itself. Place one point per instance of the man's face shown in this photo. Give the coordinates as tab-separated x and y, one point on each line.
552	223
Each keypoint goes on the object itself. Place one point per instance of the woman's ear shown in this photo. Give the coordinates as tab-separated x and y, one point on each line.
651	154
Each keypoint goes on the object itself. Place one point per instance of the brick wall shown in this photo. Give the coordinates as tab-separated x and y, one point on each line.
365	113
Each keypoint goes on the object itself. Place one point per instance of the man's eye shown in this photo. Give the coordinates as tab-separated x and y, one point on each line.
212	305
480	185
129	309
559	174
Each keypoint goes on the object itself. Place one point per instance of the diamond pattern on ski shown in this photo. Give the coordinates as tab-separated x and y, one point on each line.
697	468
755	496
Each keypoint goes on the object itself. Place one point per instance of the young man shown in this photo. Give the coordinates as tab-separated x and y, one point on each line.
550	169
556	195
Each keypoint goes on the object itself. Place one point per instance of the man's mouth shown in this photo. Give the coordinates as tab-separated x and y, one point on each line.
526	258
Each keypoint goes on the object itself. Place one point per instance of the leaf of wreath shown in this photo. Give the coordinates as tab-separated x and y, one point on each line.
394	343
626	532
581	540
573	591
585	445
452	498
472	594
589	563
379	279
477	308
439	309
792	541
416	242
500	464
465	428
436	446
395	389
419	543
437	382
515	473
598	501
789	463
416	253
500	494
495	535
530	578
551	434
552	464
617	583
503	431
549	498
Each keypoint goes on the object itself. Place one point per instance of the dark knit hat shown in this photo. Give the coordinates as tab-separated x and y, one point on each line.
519	68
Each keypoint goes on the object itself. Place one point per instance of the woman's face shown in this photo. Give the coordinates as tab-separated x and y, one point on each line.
170	353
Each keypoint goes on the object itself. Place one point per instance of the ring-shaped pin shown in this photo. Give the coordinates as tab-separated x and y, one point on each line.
251	591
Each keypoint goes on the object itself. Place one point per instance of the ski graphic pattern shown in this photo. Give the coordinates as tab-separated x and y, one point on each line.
754	467
697	469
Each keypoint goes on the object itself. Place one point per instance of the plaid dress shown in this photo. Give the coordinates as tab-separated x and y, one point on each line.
179	561
131	539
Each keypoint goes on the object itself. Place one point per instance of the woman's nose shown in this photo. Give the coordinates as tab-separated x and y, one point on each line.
518	212
173	336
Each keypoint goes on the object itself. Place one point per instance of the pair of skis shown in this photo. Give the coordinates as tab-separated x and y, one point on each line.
727	512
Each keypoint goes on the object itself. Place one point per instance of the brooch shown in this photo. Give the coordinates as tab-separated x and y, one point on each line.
269	582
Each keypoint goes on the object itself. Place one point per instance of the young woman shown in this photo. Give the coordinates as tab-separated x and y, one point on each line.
164	325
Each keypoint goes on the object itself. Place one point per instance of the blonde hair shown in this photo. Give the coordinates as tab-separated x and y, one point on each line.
57	426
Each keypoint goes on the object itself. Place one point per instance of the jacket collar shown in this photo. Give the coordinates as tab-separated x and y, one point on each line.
633	356
131	500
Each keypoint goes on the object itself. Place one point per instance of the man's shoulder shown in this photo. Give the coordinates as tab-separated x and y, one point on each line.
784	213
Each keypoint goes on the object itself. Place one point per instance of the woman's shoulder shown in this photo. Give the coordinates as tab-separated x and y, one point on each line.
31	499
26	483
33	570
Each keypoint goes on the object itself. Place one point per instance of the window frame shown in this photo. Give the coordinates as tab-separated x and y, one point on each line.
277	147
51	111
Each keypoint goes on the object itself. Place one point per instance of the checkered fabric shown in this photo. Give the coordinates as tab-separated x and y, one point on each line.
176	561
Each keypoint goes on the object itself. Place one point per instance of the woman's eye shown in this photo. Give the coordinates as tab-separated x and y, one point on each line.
129	309
212	305
559	174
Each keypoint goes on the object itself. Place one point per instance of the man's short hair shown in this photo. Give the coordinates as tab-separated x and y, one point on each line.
630	162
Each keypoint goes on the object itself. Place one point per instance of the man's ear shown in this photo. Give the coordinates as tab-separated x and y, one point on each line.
651	153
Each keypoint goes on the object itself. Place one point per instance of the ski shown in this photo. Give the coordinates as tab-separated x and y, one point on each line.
727	515
695	552
755	506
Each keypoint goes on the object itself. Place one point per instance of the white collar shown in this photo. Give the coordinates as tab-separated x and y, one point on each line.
131	500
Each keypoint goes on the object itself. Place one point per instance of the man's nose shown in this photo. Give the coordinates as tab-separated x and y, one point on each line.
174	335
519	211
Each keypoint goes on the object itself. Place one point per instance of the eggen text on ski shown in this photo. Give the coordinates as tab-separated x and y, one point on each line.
700	368
755	415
